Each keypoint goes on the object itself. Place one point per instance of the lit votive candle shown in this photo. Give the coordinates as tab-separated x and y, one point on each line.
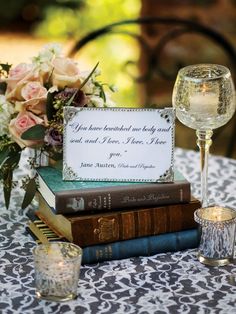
204	103
57	267
216	246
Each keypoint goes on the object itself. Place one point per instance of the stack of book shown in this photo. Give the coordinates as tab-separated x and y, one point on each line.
116	220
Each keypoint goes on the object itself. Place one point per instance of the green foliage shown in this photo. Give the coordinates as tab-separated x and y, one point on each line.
3	87
30	191
3	155
7	187
7	165
4	68
36	132
50	110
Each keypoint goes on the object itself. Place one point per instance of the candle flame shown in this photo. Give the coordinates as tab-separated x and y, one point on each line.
60	264
204	88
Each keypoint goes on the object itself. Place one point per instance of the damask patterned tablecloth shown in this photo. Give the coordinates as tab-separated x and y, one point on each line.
163	283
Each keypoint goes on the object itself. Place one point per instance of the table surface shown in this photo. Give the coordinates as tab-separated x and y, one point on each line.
163	283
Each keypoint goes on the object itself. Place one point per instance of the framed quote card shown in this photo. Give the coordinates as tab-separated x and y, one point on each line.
118	144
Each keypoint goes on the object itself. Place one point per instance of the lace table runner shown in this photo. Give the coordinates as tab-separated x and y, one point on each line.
163	283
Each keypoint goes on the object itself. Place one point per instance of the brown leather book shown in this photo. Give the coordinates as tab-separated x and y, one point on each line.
112	226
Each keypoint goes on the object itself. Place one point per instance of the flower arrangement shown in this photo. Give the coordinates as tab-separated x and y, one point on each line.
32	97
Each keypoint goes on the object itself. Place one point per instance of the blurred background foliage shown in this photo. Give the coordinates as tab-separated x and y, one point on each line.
26	25
25	13
68	20
89	16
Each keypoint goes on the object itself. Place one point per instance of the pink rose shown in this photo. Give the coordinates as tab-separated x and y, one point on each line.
34	96
65	73
20	124
18	76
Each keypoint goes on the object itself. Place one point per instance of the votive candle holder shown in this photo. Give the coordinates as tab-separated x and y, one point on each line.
217	239
57	268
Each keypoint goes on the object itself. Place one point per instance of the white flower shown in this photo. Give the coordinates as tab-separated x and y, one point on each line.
46	55
53	89
109	102
96	101
6	110
53	48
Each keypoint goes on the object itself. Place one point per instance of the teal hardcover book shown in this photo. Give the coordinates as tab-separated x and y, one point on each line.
77	196
145	246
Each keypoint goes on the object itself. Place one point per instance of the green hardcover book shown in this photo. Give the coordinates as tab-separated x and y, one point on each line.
76	196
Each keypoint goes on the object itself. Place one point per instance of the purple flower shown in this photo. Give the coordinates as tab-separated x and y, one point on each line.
53	137
79	99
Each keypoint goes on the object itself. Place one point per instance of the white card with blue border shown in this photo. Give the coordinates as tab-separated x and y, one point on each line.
118	144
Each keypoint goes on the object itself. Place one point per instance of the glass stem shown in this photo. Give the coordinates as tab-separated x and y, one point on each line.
204	142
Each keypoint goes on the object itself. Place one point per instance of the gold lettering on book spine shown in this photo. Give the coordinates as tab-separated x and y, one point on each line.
107	229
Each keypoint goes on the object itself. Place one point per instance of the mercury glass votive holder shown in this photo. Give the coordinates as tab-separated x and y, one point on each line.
217	240
57	268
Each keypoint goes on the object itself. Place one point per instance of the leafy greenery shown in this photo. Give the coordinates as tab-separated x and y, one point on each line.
30	191
36	132
4	68
10	157
50	110
7	188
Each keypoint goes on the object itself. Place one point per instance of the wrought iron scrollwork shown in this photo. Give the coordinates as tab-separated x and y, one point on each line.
175	28
179	27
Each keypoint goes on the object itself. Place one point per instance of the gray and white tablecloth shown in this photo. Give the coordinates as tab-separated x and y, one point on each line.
163	283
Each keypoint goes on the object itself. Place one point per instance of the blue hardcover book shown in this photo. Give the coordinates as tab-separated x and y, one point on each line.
145	246
66	197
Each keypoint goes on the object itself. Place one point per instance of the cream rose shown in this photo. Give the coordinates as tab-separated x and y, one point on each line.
65	73
33	90
16	75
34	96
19	72
20	124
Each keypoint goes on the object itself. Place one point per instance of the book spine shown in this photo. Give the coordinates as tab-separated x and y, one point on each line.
145	246
124	225
133	196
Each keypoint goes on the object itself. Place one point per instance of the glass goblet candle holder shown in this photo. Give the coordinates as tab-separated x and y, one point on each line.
217	241
204	99
57	267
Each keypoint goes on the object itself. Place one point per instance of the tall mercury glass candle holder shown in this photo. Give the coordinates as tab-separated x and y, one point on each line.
217	241
204	99
57	268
